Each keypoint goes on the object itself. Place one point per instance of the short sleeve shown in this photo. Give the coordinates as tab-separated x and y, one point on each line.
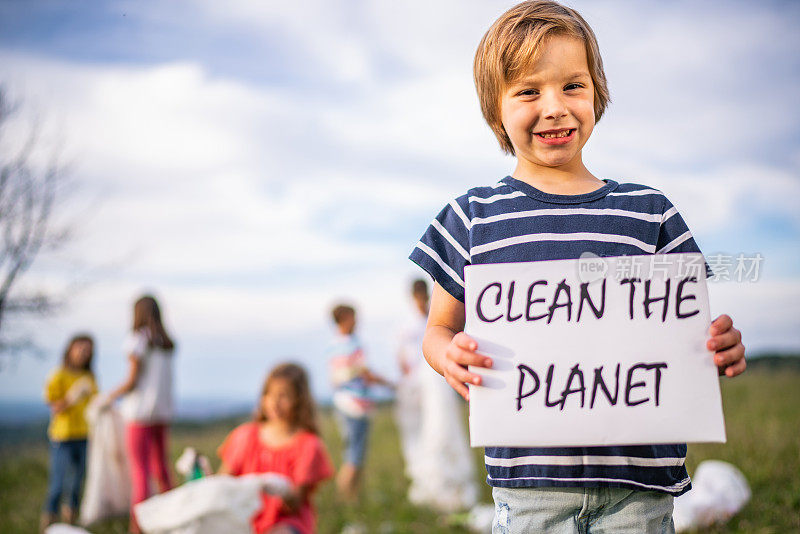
236	447
313	465
674	235
95	389
136	344
53	389
443	251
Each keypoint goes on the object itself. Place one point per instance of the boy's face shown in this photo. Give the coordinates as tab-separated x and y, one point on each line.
549	112
348	324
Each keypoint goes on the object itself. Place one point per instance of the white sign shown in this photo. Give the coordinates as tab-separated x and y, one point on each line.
595	351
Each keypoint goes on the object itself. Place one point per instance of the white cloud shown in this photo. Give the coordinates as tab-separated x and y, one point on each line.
767	312
712	199
696	83
178	158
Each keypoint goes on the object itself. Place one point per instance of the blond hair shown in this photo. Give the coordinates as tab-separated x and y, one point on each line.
511	45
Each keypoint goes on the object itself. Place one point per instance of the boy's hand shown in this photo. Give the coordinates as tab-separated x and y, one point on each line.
446	347
460	353
372	378
726	342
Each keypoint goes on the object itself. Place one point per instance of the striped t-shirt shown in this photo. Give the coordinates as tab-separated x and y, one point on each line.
347	364
513	221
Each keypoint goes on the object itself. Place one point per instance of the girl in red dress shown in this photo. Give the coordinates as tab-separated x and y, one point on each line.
283	439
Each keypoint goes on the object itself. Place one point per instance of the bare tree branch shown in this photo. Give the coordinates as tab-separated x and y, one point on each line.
28	194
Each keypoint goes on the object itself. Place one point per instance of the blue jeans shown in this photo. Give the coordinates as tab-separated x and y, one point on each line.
581	511
354	432
67	464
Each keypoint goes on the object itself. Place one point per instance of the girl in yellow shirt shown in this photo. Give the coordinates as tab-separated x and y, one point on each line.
67	391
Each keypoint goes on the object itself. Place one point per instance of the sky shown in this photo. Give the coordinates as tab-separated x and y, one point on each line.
254	163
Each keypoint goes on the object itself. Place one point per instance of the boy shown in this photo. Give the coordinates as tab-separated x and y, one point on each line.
351	379
541	86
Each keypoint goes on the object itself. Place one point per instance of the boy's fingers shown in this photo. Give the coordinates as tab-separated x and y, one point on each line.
462	375
460	388
465	342
466	357
720	325
725	340
730	356
736	369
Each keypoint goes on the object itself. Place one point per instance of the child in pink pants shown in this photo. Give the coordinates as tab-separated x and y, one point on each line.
147	401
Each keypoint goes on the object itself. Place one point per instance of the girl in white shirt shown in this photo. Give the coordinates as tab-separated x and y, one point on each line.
147	404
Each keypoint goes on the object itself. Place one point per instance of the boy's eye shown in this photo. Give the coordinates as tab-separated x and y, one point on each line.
571	86
528	92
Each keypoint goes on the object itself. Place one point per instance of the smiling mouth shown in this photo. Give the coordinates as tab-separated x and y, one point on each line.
554	134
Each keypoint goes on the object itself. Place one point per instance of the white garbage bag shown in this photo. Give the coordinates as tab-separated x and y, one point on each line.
480	518
209	505
107	490
81	388
63	528
719	491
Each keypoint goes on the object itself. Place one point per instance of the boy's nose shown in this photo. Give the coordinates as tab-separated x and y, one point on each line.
553	106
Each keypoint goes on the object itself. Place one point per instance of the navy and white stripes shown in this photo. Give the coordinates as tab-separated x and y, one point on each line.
645	467
512	221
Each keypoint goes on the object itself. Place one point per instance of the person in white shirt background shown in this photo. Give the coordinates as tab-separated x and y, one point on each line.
434	443
147	403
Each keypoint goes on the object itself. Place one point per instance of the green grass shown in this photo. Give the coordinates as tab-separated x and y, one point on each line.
762	414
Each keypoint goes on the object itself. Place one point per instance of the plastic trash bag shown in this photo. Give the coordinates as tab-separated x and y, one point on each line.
209	505
80	389
719	491
63	528
107	490
480	518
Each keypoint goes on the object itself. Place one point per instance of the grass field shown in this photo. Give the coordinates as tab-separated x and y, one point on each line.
762	409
